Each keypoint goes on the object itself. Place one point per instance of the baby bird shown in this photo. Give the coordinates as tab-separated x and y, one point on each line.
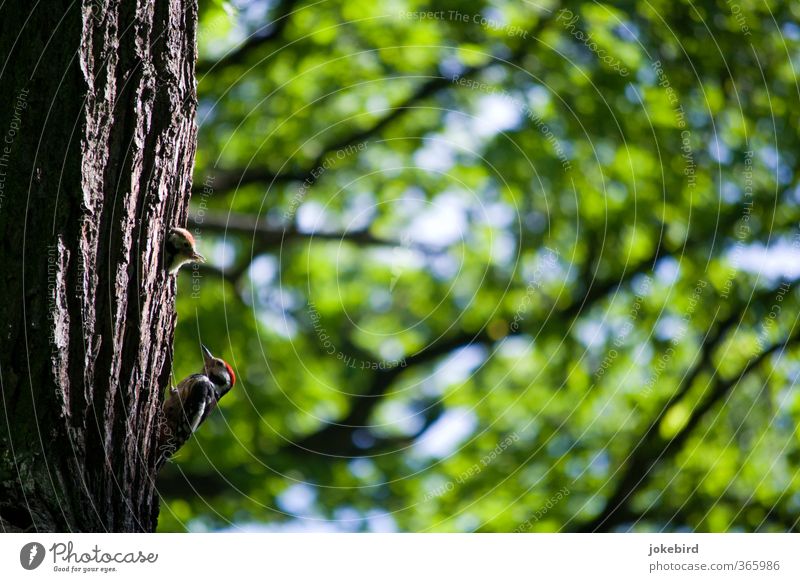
190	403
180	249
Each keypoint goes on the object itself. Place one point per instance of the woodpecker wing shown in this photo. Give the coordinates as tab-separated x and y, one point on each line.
187	406
197	396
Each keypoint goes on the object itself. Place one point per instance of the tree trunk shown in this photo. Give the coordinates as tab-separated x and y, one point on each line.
97	140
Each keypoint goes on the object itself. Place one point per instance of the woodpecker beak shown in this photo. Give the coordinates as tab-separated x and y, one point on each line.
198	258
207	355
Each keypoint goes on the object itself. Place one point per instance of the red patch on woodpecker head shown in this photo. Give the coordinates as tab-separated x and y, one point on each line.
230	373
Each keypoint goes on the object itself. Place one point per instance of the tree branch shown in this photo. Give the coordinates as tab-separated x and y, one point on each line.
232	178
652	448
335	438
259	38
269	237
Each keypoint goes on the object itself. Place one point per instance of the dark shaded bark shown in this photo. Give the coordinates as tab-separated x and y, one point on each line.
97	138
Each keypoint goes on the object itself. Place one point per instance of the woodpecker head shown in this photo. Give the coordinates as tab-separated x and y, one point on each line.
181	249
218	371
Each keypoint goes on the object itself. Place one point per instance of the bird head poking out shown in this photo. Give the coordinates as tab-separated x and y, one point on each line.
218	371
181	250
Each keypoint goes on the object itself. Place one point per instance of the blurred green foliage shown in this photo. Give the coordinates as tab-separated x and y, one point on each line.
566	235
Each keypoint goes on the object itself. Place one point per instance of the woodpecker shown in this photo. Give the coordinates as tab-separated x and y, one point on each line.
180	250
190	403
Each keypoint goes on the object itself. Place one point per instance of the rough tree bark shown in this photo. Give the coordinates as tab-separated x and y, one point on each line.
97	140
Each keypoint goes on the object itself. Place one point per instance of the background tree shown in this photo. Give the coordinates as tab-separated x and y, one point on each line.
573	224
97	115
